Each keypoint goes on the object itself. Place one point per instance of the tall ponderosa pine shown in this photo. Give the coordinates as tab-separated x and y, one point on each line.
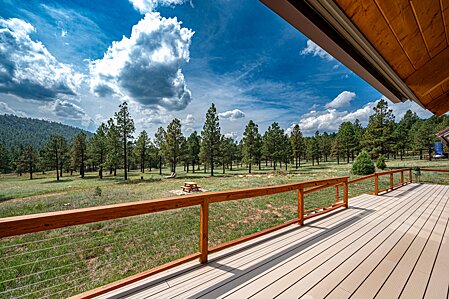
125	127
114	146
174	143
378	136
143	146
28	160
55	150
250	144
346	138
5	159
98	147
159	143
273	143
78	154
210	138
424	137
297	144
193	150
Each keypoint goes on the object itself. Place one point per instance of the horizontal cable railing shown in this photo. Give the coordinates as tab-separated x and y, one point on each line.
103	236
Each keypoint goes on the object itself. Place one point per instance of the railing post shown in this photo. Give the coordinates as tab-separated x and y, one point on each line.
336	193
391	181
204	231
402	178
301	206
376	184
410	179
346	192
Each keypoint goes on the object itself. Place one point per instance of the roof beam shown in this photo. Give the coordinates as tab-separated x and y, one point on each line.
431	75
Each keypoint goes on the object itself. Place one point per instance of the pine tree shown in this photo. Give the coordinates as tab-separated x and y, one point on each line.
98	146
174	143
28	160
378	136
326	145
211	137
159	143
250	144
5	159
114	146
78	155
193	150
346	137
125	127
143	146
425	136
54	151
297	144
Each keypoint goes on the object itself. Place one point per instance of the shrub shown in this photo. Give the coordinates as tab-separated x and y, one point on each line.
380	163
97	191
363	165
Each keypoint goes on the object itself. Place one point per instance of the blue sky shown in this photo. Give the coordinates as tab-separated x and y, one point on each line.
75	61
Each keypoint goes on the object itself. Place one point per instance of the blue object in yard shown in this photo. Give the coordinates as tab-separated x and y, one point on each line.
439	148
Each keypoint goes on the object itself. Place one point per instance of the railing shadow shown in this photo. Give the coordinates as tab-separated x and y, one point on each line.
230	283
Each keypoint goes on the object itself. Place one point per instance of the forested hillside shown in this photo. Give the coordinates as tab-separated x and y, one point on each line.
16	131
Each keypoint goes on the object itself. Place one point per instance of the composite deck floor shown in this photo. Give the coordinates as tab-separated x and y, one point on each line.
389	246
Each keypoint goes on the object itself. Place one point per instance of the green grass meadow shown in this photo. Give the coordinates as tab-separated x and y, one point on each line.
67	261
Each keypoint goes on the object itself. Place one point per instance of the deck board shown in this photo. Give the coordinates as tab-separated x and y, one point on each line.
395	244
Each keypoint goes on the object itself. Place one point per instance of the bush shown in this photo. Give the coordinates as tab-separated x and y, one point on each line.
97	191
380	163
363	165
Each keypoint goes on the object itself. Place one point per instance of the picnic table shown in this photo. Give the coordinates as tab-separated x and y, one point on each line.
190	186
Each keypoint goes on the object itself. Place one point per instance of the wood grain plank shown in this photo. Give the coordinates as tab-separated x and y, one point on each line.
393	286
401	19
379	274
290	271
439	279
367	17
417	283
431	75
430	21
378	232
356	276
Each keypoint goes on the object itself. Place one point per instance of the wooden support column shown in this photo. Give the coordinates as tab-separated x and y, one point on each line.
301	206
204	231
336	193
402	178
391	181
376	185
346	192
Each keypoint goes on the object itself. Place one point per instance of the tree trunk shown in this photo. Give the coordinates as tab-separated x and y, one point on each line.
57	165
212	166
193	166
160	165
125	158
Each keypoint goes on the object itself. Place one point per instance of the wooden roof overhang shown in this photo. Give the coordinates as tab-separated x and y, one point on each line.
400	47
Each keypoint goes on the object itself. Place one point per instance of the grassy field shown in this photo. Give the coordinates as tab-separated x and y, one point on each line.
67	261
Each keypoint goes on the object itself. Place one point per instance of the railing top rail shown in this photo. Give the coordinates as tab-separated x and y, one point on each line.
19	225
434	169
366	177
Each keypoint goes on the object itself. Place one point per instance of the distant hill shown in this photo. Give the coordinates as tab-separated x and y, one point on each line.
16	131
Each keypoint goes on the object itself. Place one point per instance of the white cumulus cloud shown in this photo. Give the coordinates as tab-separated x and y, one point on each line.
28	70
329	120
146	67
315	50
144	6
232	135
342	100
232	114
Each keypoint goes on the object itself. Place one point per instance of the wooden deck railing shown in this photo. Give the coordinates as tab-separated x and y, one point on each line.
391	174
13	226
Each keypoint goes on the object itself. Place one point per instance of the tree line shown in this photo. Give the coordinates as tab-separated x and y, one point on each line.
113	146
